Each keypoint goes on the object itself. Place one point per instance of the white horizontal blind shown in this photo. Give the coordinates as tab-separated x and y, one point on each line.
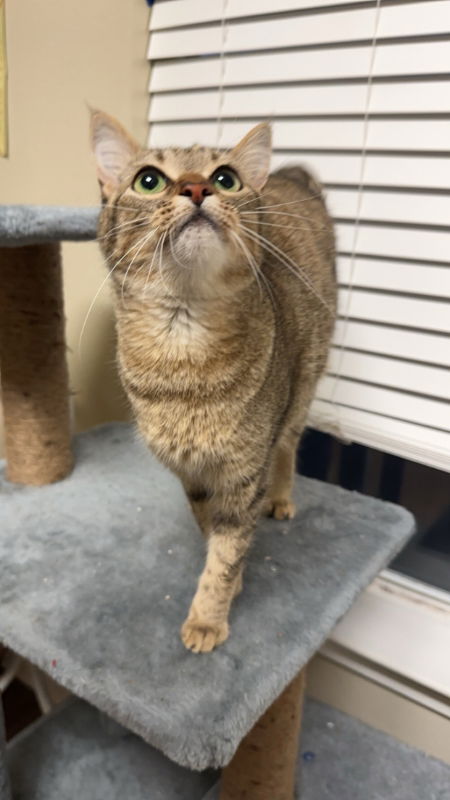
360	92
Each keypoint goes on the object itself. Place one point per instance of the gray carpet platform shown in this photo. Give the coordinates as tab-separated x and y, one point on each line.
22	225
77	752
97	573
340	758
80	754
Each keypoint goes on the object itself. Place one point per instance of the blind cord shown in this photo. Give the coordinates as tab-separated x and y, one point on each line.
335	426
221	99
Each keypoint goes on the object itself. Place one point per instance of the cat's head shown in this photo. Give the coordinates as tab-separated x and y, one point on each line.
172	215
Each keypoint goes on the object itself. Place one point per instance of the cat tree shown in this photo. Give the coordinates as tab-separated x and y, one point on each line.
99	556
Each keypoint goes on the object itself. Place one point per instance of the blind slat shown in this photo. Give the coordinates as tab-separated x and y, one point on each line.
381	241
401	405
391	372
409	19
425	58
413	345
334	134
405	207
176	13
392	98
396	310
417	442
394	276
380	170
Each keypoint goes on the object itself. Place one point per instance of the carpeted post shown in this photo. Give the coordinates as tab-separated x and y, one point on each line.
33	365
264	765
5	793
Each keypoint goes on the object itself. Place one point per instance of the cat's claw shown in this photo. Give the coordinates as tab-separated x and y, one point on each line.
202	638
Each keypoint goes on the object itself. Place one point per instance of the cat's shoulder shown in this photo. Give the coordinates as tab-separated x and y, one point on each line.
295	175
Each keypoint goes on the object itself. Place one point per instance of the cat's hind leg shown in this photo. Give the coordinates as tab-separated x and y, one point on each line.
278	502
200	502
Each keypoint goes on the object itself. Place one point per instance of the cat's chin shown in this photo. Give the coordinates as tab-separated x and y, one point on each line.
199	243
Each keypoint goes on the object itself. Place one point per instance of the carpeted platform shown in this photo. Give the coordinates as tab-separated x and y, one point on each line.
352	760
342	759
21	225
80	754
97	573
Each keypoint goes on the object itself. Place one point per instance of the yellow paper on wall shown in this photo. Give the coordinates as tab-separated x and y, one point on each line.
3	92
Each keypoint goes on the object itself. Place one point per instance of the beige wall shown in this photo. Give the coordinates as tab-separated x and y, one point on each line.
61	56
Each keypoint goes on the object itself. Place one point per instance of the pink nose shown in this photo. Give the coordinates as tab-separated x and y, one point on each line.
196	191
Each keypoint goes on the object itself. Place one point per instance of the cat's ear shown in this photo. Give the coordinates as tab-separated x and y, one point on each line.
113	148
252	155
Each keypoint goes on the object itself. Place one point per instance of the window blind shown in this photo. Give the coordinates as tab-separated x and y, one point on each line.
359	92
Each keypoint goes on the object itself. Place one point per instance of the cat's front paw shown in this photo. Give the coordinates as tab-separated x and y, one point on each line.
202	637
280	509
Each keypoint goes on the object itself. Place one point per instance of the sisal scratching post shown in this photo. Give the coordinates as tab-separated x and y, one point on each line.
264	765
33	365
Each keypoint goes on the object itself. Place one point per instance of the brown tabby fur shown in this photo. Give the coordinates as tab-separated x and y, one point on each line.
220	343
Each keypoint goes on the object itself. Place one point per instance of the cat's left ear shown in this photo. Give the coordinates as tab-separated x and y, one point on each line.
113	148
252	155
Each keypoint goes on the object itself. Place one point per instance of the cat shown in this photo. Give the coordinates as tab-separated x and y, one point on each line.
224	290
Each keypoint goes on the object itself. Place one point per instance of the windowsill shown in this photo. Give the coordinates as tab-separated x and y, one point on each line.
398	634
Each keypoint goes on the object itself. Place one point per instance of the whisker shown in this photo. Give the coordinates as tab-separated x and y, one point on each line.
83	327
161	268
282	214
289	263
177	261
287	203
135	223
251	199
149	271
123	208
256	269
146	239
285	227
144	264
248	257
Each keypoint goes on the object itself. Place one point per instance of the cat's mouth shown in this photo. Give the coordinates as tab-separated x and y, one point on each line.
198	219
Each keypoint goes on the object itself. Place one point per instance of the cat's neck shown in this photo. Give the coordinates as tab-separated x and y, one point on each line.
182	326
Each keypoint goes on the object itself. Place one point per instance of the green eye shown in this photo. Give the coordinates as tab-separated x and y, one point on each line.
149	181
226	179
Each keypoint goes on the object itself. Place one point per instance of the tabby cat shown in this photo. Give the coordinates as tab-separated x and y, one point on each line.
224	290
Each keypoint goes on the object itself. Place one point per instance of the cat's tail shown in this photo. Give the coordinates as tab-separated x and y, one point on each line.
303	177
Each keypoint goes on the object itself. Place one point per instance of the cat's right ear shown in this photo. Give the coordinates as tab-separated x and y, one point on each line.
252	155
113	148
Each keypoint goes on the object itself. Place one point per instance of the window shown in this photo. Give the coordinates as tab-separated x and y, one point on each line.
360	92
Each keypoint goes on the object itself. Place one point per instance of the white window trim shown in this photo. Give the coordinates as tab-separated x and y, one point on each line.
398	634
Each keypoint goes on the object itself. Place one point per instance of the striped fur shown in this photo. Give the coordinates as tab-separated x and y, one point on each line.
222	335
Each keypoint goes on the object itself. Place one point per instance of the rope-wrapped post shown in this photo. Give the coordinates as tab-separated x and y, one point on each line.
264	766
33	367
5	791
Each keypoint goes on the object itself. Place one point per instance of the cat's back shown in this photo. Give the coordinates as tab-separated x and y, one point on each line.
299	264
294	218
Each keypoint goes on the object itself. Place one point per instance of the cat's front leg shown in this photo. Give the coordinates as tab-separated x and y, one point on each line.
207	623
207	626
